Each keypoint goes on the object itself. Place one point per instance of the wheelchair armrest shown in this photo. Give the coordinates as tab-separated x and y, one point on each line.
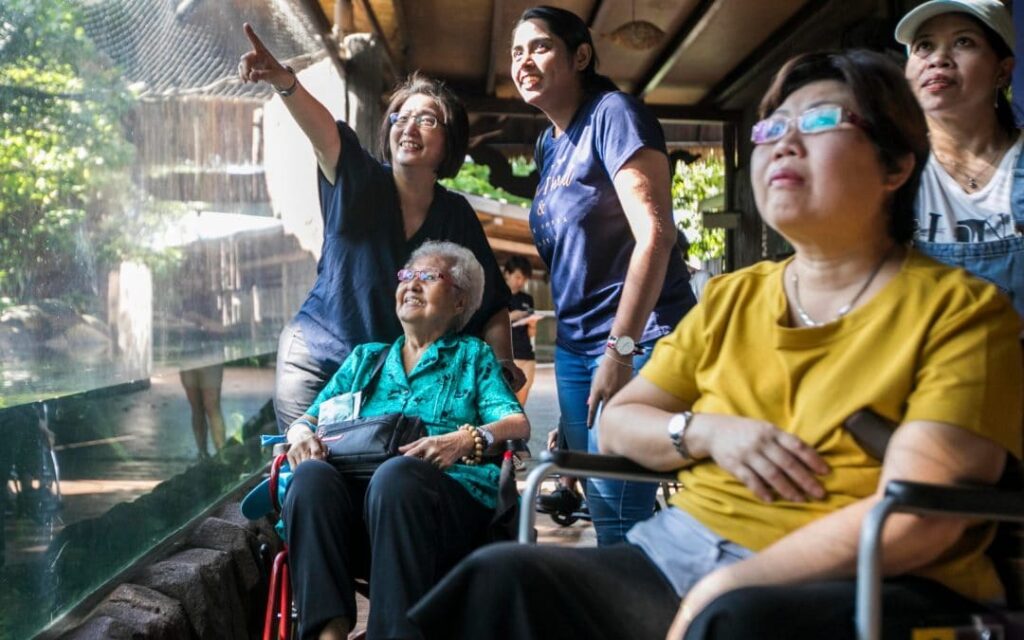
581	464
592	464
984	502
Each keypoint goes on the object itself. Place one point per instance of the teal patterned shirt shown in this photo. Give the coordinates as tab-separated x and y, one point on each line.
457	381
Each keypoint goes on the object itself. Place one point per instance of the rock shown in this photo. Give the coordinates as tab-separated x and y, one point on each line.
101	628
28	317
203	581
243	547
240	544
142	612
81	340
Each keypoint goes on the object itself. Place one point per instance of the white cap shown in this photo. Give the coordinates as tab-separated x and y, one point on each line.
992	14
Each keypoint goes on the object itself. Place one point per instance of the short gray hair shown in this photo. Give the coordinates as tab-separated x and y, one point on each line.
464	270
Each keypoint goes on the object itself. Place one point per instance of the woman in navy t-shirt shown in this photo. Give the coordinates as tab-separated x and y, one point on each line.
602	221
375	214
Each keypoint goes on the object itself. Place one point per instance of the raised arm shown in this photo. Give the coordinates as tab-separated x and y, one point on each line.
312	117
643	186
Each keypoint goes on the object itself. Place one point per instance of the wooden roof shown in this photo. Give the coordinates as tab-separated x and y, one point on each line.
708	44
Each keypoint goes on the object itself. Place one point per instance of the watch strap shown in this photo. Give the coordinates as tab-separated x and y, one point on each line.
678	433
284	93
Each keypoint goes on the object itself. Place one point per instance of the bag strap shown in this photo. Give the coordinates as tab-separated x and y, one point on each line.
371	384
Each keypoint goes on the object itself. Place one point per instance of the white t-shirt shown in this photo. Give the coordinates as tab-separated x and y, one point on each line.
946	213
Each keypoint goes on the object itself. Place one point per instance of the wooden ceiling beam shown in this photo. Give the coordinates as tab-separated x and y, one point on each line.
315	12
759	55
497	44
594	12
344	18
371	15
657	71
489	105
401	31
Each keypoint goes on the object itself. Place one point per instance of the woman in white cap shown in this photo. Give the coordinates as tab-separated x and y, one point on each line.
970	207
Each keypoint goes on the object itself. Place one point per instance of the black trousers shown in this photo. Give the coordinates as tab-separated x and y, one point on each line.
511	591
403	530
826	609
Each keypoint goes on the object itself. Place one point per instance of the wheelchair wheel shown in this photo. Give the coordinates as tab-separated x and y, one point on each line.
564	519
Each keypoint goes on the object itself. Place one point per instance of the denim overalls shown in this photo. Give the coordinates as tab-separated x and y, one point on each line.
1001	261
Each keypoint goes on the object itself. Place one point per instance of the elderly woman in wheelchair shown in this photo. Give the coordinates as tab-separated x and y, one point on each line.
750	395
420	512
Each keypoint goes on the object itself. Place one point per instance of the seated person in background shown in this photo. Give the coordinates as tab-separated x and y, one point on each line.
422	512
750	392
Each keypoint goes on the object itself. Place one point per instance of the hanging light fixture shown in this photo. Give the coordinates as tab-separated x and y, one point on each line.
638	35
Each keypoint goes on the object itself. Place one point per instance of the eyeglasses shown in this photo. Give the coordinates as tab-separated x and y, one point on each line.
423	120
425	275
814	120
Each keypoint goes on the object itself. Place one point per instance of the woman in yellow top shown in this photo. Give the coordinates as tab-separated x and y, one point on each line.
749	394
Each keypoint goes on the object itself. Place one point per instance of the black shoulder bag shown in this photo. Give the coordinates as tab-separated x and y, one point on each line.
360	445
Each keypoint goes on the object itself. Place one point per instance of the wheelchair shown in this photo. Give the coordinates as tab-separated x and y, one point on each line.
1004	505
567	518
281	618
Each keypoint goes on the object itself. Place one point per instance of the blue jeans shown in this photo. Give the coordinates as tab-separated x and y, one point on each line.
615	506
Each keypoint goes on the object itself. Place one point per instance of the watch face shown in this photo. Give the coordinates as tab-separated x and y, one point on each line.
676	424
624	346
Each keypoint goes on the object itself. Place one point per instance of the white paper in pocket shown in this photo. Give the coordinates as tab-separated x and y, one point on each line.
341	407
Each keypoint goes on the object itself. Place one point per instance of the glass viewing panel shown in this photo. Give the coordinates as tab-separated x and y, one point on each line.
145	270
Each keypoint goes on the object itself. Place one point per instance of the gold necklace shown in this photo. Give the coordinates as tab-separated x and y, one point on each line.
806	318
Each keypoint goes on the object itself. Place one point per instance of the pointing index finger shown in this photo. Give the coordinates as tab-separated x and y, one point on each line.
254	39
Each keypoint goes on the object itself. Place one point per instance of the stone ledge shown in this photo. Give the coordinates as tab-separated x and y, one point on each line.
215	588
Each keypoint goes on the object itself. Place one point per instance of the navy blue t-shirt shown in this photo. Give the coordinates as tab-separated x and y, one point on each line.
581	231
352	301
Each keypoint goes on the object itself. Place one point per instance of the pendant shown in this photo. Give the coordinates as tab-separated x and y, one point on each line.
972	183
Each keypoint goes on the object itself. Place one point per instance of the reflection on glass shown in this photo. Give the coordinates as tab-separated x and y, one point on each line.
73	463
138	240
137	232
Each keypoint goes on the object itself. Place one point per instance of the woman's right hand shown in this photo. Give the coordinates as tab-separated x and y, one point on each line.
260	64
766	459
309	449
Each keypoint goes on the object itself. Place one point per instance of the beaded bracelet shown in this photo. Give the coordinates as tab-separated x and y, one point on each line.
478	446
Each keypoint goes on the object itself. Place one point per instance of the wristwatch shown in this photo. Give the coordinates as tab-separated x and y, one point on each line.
284	93
677	426
487	435
624	346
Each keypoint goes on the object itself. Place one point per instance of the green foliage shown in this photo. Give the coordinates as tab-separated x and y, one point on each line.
522	166
476	179
64	179
692	184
